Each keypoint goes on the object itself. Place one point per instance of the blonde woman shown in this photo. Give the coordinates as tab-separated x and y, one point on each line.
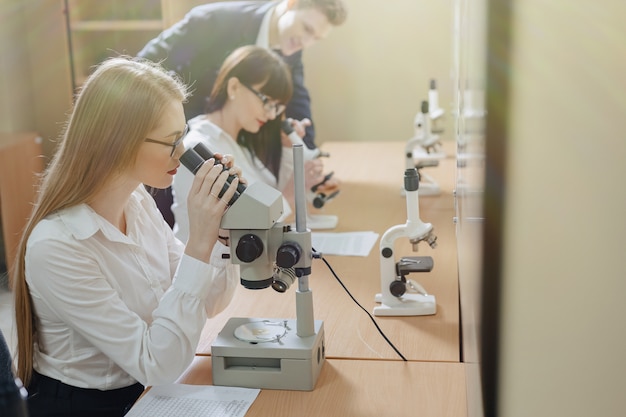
107	299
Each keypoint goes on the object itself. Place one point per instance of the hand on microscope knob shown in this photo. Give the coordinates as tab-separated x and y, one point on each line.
206	206
228	163
325	190
323	187
325	184
314	174
293	132
298	126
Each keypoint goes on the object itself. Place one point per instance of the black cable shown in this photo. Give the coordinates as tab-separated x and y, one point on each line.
362	308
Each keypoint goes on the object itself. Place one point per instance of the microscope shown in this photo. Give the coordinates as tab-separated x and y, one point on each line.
318	199
425	146
268	353
401	296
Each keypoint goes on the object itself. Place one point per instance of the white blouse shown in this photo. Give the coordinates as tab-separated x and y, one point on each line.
204	131
114	309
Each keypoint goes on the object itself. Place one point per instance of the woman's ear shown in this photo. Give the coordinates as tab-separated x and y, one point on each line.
232	87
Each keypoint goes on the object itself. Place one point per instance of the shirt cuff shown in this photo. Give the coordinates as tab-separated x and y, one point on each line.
217	256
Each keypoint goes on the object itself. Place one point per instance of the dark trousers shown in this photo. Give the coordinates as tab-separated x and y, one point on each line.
49	397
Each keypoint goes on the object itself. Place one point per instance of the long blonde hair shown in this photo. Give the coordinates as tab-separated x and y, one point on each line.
117	106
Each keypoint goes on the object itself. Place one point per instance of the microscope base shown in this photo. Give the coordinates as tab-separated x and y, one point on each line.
289	362
407	305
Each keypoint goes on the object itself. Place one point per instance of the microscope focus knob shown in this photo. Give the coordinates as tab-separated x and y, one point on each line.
397	288
249	248
288	255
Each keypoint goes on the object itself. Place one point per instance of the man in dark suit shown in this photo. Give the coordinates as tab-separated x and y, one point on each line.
196	46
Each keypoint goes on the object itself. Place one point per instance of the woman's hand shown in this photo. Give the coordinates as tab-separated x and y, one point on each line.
313	173
206	207
329	186
299	126
228	161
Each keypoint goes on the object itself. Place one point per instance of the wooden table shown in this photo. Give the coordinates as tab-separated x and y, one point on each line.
361	388
370	199
362	376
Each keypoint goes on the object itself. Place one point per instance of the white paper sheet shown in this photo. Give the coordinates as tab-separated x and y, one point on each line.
347	244
194	400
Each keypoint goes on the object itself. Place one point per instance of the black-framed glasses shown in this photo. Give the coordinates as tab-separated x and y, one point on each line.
268	105
174	144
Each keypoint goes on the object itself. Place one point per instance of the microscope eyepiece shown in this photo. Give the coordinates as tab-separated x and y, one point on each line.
206	154
193	160
411	179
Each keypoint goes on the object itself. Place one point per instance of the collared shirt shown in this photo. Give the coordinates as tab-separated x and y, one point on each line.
203	130
112	308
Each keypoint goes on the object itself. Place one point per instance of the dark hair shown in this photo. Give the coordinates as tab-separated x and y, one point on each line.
253	65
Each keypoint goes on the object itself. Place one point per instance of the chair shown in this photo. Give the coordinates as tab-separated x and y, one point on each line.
12	393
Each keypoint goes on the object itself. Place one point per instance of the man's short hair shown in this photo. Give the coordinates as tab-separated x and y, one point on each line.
334	10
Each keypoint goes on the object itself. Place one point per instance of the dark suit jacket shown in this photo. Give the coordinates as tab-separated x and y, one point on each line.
196	47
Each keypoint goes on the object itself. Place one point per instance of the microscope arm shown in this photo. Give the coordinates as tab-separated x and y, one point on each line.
414	228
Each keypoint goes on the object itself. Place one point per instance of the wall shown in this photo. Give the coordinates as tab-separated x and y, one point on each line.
368	78
15	90
563	281
36	88
469	64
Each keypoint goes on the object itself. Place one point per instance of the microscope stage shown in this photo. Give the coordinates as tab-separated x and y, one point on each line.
267	353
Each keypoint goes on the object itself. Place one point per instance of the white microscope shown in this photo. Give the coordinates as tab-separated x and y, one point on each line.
423	150
268	353
401	296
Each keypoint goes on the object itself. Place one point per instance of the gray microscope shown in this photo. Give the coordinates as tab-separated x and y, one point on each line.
268	353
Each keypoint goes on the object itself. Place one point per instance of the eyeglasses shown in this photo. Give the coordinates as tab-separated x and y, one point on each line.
174	144
268	105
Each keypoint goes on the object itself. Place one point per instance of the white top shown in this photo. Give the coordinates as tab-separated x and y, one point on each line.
218	141
114	309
